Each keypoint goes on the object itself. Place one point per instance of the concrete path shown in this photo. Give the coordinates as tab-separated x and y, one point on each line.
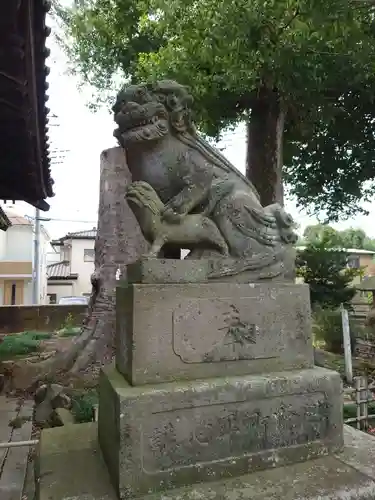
13	461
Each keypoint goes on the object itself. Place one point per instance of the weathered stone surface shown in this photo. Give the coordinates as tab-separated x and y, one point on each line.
187	194
188	331
70	466
338	477
192	231
14	461
152	271
159	437
161	271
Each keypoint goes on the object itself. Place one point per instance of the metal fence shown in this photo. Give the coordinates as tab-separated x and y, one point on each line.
362	397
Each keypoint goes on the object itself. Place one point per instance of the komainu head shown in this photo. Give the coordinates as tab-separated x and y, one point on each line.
149	112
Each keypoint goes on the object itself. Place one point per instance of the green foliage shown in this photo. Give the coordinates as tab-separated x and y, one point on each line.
68	328
18	344
348	238
330	169
83	406
327	327
324	270
317	58
34	335
68	322
322	232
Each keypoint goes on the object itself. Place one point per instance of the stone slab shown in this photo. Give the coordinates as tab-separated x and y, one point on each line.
161	271
62	477
9	410
156	271
188	331
69	465
13	472
168	435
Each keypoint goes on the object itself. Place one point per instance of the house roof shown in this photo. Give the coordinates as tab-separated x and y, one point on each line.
60	271
18	220
89	234
357	251
24	160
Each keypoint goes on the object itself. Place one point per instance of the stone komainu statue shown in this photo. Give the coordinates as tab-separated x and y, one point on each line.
189	176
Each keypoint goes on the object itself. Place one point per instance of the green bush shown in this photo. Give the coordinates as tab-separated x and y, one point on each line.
18	344
327	327
83	406
35	335
13	346
324	269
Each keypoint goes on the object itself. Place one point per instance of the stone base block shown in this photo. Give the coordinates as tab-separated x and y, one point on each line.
349	475
198	330
155	438
151	270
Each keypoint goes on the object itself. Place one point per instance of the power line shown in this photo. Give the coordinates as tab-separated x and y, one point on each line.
68	220
73	220
52	219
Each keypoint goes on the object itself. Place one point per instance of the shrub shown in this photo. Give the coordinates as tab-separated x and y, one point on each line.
35	335
83	406
18	344
327	327
325	270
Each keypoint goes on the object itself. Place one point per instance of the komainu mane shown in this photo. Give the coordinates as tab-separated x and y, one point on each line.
189	176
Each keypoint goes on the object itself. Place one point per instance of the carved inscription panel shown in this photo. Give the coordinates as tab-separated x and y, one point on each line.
214	330
181	438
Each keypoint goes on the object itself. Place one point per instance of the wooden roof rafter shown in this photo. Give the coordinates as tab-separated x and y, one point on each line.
24	162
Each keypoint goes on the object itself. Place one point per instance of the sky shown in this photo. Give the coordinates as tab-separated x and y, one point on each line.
80	136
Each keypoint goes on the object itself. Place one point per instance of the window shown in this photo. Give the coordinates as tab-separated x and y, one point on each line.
353	262
88	255
13	296
52	298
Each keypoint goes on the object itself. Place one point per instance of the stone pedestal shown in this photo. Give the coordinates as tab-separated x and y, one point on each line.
159	437
212	380
196	330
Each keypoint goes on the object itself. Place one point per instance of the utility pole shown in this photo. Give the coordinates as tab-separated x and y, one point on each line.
36	264
57	156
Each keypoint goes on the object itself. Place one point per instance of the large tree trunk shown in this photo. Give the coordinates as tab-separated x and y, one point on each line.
265	130
119	242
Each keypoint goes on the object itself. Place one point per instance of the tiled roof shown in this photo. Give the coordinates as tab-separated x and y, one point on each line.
18	220
24	159
60	271
88	234
91	233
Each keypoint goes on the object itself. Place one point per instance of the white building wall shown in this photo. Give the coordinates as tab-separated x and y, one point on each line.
52	257
19	243
80	267
28	293
3	244
61	290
